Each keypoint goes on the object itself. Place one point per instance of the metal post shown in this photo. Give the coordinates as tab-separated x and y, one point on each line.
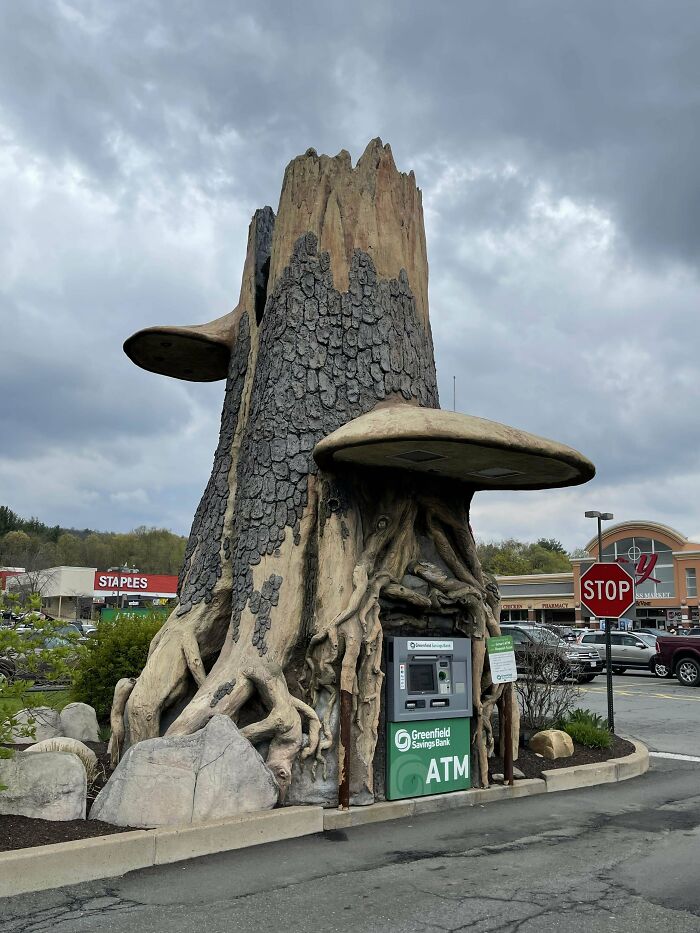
344	750
608	644
508	734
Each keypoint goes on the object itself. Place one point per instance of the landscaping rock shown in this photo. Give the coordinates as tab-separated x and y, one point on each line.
79	721
517	775
47	786
46	725
173	780
73	746
552	744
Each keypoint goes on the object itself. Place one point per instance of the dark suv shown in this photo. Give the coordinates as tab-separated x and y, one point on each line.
538	648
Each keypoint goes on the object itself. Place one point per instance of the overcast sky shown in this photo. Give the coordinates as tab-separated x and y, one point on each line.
557	145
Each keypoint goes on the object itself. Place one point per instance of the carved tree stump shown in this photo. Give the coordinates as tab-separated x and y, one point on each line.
292	573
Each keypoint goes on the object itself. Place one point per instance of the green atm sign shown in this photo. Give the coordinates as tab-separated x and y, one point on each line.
427	757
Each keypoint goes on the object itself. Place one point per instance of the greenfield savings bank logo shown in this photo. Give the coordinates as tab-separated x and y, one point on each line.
426	739
426	761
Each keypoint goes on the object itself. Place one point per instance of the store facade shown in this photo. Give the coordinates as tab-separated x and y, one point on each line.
664	563
84	592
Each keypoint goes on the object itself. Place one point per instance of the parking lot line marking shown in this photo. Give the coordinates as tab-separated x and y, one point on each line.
645	693
674	756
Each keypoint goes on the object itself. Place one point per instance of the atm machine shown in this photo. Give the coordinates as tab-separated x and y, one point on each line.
428	710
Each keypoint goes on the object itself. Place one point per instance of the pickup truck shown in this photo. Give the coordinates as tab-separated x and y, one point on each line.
681	656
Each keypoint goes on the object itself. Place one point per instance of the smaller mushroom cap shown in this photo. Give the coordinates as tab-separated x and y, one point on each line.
484	454
196	353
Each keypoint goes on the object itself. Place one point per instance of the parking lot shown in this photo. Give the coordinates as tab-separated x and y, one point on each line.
660	712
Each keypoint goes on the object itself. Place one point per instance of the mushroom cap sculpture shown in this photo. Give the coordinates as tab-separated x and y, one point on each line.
195	352
484	454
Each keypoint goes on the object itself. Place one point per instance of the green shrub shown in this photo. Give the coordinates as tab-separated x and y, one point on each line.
118	649
587	728
43	651
586	734
588	717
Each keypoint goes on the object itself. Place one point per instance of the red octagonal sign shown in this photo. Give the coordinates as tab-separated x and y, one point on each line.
607	590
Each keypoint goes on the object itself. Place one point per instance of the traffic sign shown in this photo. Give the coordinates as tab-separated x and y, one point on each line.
607	590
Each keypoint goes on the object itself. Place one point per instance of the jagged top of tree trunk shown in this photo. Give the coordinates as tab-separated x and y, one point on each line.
371	206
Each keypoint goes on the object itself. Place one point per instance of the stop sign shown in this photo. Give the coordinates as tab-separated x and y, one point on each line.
607	590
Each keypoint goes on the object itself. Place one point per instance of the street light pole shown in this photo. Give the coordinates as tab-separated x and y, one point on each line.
601	517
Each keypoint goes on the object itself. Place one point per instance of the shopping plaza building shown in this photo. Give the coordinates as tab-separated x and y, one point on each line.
85	592
664	564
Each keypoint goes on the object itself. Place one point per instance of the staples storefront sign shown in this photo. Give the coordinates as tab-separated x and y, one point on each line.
159	585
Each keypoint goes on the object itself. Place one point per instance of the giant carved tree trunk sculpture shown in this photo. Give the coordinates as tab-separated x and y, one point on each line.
301	557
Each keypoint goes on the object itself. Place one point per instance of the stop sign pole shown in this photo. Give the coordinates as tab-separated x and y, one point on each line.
607	595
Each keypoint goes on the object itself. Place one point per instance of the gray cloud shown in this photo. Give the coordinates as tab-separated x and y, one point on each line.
557	150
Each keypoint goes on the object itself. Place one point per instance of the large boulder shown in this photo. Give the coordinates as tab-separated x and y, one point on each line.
552	743
173	780
43	720
79	721
63	744
47	786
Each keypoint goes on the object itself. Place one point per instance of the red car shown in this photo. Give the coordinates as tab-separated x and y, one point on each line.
681	655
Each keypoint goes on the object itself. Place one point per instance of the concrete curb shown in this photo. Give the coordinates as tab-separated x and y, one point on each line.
607	772
43	867
40	868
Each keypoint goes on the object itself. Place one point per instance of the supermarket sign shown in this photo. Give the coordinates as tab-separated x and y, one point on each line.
158	585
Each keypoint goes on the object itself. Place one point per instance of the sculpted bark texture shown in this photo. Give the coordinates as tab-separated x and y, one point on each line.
293	574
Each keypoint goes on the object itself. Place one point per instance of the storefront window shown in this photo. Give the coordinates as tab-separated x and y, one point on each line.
514	615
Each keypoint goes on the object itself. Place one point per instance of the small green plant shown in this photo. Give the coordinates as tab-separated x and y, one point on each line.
118	649
587	728
590	736
589	717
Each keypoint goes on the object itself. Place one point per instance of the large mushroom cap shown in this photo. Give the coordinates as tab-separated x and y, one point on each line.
197	353
485	454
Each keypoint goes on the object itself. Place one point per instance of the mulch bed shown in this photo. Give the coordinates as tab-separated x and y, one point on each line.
19	832
533	765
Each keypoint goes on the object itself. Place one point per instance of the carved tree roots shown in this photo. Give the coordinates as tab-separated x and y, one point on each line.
398	530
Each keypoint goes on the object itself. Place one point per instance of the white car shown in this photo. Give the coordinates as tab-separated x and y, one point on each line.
633	650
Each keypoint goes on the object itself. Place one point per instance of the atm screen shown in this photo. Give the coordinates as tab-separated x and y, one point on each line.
421	678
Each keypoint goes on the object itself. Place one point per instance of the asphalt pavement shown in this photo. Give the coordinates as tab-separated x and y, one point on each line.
619	857
660	712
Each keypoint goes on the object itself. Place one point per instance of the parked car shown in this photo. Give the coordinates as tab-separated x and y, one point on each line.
656	632
565	632
628	650
555	658
681	655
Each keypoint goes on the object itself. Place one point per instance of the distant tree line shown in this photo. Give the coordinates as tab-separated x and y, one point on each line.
546	555
32	544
